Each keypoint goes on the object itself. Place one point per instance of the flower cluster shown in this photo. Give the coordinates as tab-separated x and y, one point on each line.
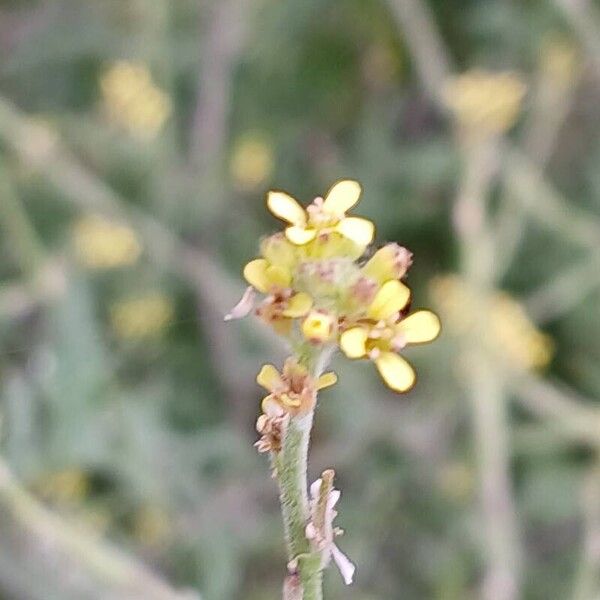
132	100
317	290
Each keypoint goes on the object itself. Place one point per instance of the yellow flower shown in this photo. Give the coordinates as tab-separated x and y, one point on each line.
384	333
132	100
152	526
139	318
323	216
282	303
69	486
510	335
103	244
485	103
294	390
252	161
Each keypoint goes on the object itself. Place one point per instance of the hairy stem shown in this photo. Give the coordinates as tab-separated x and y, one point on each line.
290	466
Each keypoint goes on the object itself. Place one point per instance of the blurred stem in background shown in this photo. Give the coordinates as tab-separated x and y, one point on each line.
483	382
25	245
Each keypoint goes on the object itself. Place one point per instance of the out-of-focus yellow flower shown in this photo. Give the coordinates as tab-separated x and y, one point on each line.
485	103
385	332
293	391
456	481
103	244
132	100
323	217
251	162
152	526
142	317
66	487
560	60
511	333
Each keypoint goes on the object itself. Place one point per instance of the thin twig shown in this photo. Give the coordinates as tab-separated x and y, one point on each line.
78	565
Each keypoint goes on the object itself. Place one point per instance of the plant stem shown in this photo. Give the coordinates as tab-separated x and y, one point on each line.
291	466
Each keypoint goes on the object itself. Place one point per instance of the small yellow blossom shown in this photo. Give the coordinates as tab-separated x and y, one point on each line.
252	162
132	100
323	216
560	60
510	334
385	332
485	103
142	317
152	526
66	487
293	390
103	244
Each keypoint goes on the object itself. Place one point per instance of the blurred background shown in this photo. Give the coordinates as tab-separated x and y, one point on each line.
138	139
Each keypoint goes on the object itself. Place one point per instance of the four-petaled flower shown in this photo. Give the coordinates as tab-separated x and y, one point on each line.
385	331
323	216
294	390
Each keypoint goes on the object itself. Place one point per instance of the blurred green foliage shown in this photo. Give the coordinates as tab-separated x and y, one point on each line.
146	437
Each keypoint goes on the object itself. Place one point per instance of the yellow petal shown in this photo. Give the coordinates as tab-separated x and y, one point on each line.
269	378
360	231
282	205
278	276
298	305
422	326
342	197
255	274
299	235
326	380
391	298
353	342
395	371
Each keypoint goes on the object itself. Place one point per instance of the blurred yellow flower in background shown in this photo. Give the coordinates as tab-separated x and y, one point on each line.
151	526
559	59
485	103
65	487
141	317
252	161
103	244
511	333
132	100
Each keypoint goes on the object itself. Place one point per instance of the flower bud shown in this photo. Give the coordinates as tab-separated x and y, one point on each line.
318	327
279	251
390	262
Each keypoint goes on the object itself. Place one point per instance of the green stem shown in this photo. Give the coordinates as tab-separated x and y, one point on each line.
291	470
291	466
